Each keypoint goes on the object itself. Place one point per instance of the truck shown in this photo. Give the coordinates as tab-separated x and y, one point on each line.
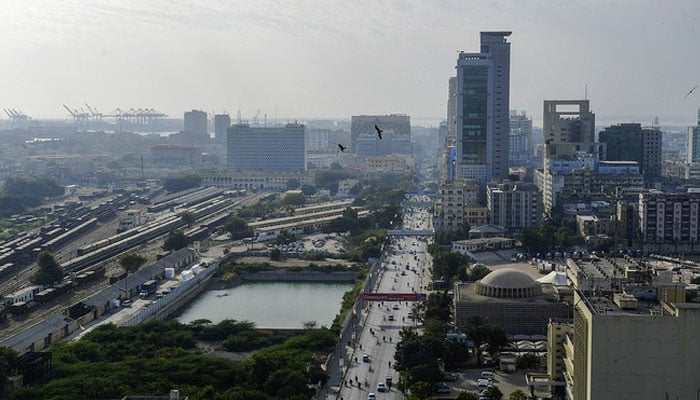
148	288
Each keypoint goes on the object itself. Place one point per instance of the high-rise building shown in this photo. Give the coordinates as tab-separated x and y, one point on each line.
266	148
519	139
452	107
631	142
221	124
196	124
483	93
514	205
670	222
694	142
624	347
400	124
568	128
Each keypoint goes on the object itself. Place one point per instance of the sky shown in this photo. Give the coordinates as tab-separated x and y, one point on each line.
304	59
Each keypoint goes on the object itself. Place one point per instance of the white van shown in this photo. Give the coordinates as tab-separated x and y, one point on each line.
487	374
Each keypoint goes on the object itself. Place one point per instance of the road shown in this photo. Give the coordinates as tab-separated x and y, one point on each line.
405	269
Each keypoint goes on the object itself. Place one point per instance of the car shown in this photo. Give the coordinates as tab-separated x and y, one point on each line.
391	317
381	387
395	307
487	374
371	396
126	303
442	388
365	358
389	378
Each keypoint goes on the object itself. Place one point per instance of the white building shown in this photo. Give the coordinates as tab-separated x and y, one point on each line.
514	205
266	148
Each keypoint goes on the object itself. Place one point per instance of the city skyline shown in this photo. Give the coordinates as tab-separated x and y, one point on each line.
343	59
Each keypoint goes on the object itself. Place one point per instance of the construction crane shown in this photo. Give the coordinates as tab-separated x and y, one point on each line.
16	116
93	111
80	117
135	116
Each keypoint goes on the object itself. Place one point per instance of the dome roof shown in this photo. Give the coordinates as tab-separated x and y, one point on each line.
508	278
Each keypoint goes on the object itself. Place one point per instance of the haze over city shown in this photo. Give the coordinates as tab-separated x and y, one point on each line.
310	59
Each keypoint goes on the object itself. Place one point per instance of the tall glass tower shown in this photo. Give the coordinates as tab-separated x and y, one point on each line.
483	97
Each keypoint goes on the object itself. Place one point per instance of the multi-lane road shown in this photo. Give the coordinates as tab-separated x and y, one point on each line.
369	361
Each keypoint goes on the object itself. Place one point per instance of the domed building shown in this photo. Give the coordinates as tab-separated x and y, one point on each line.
511	299
508	283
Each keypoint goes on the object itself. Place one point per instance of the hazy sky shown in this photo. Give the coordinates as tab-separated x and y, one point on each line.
305	59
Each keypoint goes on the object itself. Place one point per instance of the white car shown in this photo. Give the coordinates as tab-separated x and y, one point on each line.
380	387
371	396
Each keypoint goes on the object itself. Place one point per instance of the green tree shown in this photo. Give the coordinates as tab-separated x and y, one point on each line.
493	393
49	271
294	199
293	184
176	241
131	262
478	272
421	390
237	227
309	190
188	217
518	395
477	330
275	254
497	339
177	184
464	395
8	356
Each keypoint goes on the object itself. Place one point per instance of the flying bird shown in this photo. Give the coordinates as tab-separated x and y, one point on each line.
341	147
690	92
379	131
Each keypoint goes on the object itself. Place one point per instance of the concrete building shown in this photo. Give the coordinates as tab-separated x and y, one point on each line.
196	124
514	205
163	155
221	124
626	348
483	95
509	299
258	180
631	142
455	204
266	148
694	142
369	145
670	221
400	124
519	138
568	128
452	107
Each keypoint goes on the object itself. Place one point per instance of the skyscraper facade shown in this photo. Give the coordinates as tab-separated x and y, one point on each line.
631	142
694	142
221	124
519	139
266	148
196	123
483	99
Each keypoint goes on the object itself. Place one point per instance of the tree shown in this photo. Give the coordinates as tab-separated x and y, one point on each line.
176	241
49	271
477	330
294	199
478	272
493	393
517	395
237	227
131	262
8	356
464	395
309	190
188	218
293	184
275	254
497	339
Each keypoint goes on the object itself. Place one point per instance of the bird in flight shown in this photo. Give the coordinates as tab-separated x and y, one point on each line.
379	131
341	147
690	92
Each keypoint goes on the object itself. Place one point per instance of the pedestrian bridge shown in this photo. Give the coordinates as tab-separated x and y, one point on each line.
405	232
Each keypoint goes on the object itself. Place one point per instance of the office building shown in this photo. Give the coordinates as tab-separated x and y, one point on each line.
452	107
624	347
369	145
221	124
694	143
400	124
514	205
483	93
196	124
266	148
519	139
568	128
631	142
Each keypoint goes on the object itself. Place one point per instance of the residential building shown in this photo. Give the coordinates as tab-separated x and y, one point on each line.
266	148
694	142
164	155
670	222
455	204
400	124
514	205
519	139
221	124
483	93
631	142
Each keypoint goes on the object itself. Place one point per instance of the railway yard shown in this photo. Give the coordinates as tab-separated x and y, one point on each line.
86	235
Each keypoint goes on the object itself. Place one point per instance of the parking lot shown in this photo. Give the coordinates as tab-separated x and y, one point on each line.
466	380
